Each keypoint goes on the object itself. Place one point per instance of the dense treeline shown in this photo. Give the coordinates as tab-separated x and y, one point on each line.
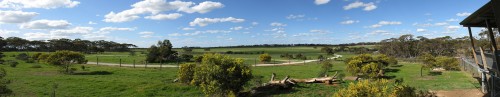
86	46
408	46
291	45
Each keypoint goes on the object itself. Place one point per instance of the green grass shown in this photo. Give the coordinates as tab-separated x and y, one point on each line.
141	82
448	80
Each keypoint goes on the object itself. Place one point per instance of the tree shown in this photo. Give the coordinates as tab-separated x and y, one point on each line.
321	58
448	63
265	57
161	52
325	67
187	49
65	59
428	61
367	65
221	75
327	50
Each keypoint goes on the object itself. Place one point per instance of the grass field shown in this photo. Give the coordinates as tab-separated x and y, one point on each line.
275	52
141	82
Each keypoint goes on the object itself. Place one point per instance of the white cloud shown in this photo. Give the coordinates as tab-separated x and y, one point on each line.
237	28
40	36
349	22
46	24
255	23
71	32
4	33
277	24
292	16
171	16
187	28
46	4
205	21
382	23
319	2
367	6
92	23
174	34
463	14
452	20
155	7
452	28
441	24
320	31
380	32
109	29
203	7
206	32
146	33
16	16
421	30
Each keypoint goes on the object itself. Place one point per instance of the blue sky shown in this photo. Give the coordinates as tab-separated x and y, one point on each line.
233	22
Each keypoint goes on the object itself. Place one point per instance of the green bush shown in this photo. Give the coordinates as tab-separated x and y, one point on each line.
12	63
376	88
265	58
22	56
220	75
371	66
325	67
186	72
64	59
448	63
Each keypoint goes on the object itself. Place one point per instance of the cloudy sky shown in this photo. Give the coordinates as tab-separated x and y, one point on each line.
233	22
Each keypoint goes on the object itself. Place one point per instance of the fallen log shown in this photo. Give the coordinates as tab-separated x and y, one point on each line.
325	79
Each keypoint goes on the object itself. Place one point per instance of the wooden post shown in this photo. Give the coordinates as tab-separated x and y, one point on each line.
145	64
120	62
134	64
161	63
483	57
472	44
97	60
493	44
255	61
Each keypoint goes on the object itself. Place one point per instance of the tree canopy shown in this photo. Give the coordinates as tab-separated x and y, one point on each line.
86	46
64	59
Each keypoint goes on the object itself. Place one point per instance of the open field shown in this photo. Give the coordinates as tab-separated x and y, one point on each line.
140	82
275	52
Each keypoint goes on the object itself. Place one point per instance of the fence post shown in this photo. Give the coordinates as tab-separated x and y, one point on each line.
161	63
134	63
120	62
255	61
146	65
97	60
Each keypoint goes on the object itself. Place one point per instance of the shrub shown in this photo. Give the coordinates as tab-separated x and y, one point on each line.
30	61
22	56
131	53
43	57
221	75
4	90
265	58
377	88
198	59
325	67
368	65
12	63
186	57
448	63
65	58
186	72
35	56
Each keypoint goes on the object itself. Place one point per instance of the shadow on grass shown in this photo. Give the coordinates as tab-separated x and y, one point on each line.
435	73
396	65
391	70
269	92
388	77
93	73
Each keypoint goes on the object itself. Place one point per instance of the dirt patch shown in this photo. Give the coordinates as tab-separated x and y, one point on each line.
460	93
351	78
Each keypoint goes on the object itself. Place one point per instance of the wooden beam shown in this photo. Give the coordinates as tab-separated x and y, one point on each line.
493	44
496	11
483	57
473	46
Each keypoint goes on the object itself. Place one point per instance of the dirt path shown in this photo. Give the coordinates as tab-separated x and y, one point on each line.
460	93
157	66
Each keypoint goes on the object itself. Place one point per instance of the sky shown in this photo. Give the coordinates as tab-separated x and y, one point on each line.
234	22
